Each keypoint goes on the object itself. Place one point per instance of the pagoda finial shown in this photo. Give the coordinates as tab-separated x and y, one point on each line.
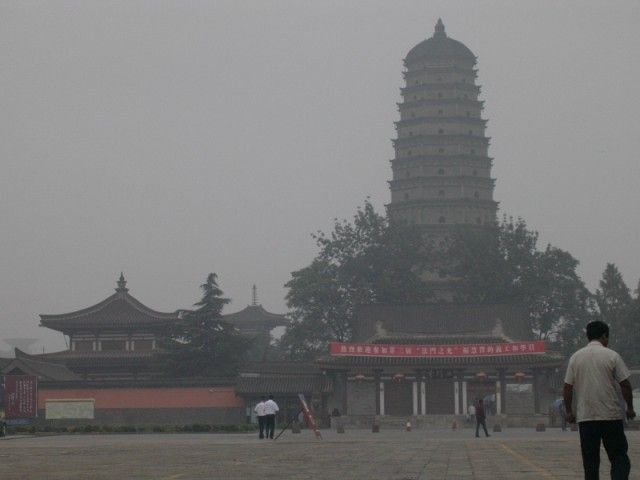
439	32
254	296
122	284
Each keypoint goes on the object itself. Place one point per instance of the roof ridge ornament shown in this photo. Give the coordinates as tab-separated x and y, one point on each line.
254	296
439	30
122	284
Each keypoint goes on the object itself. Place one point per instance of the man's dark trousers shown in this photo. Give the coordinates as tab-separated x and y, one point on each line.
611	432
261	422
481	421
270	421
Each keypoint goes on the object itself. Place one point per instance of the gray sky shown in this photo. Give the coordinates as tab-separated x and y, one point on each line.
171	139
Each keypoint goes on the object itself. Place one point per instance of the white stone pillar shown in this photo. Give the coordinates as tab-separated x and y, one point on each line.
498	398
415	397
423	397
456	397
464	398
381	398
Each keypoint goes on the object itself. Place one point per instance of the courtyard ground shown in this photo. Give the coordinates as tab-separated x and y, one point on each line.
357	454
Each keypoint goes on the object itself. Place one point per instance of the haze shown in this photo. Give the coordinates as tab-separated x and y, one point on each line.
172	139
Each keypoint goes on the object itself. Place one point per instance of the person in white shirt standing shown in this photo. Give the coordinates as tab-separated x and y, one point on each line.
594	373
261	413
271	408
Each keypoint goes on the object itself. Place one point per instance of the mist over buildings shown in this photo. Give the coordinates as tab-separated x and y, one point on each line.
171	139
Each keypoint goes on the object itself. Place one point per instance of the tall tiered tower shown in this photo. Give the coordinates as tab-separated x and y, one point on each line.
441	170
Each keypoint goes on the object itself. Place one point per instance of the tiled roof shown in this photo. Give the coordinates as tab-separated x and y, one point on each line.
255	316
120	310
32	365
377	321
263	384
92	358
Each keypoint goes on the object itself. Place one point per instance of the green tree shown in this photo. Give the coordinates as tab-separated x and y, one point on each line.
369	260
615	308
503	264
202	344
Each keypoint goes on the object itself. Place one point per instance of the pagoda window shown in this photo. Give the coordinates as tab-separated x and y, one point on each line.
473	151
113	345
439	95
409	153
442	220
475	173
406	196
440	112
441	193
441	150
441	171
476	195
440	131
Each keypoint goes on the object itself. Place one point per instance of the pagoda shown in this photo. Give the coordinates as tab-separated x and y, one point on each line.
115	339
441	169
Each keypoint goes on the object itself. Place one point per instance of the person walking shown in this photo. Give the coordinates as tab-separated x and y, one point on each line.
481	418
261	413
271	408
594	374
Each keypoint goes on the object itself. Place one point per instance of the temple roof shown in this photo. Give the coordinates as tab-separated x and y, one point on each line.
120	310
440	323
439	46
282	378
34	365
255	317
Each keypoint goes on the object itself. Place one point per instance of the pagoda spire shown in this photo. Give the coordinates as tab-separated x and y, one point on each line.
122	284
439	30
254	296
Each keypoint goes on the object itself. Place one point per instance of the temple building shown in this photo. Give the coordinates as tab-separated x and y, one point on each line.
430	361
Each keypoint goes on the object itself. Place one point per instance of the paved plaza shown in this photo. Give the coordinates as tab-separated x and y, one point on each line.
357	454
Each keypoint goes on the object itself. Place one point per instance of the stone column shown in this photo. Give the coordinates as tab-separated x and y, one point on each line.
381	398
345	381
464	397
414	388
376	382
536	393
498	398
423	395
503	390
456	396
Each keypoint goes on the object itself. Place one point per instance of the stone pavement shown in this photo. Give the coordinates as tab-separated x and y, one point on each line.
357	454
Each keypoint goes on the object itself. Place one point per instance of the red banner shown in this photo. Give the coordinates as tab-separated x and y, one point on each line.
20	396
436	351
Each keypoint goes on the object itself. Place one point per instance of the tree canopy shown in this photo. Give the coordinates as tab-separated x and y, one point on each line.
368	260
202	344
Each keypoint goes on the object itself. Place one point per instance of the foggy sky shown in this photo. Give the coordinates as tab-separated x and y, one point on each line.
172	139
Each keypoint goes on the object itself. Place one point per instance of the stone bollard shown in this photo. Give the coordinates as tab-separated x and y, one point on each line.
375	428
454	425
497	427
407	427
340	428
295	427
541	427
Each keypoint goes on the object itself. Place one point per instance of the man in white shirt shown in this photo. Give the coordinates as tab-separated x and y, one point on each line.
594	373
261	413
271	408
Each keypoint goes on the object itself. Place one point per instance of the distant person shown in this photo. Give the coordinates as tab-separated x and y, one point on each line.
594	372
271	408
261	413
471	411
481	418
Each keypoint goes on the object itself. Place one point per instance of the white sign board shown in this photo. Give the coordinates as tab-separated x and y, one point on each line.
69	408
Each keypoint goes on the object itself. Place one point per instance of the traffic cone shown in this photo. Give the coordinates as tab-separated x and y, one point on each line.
408	426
